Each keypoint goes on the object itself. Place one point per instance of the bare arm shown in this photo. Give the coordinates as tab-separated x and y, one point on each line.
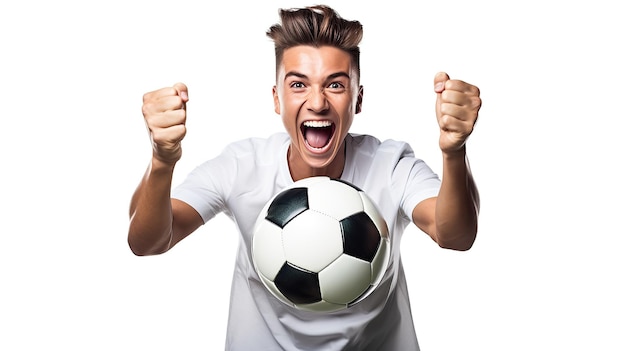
157	222
451	219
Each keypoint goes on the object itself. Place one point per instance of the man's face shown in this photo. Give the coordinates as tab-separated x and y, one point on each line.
317	93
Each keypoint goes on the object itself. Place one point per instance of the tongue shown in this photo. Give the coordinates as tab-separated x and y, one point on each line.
317	137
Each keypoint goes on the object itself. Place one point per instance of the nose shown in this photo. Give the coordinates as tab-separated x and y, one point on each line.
317	101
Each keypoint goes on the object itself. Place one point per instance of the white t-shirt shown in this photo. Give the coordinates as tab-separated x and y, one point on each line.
245	176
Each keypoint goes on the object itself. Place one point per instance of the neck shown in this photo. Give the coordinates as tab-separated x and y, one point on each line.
299	169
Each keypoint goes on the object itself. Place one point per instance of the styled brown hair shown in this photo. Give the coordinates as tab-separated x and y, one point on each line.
316	26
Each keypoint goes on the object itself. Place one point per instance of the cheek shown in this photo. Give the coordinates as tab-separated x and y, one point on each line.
289	119
289	106
347	123
282	103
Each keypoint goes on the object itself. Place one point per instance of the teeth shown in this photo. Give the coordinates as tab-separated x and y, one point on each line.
317	124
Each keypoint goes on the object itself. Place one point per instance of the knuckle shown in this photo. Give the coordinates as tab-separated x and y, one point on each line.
445	95
147	97
476	102
158	136
444	121
446	110
145	109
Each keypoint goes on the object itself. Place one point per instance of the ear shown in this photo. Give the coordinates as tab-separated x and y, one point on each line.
359	100
276	100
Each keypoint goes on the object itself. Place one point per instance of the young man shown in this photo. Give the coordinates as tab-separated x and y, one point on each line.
317	94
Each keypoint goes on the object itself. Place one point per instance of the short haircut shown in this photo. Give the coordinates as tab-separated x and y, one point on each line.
316	26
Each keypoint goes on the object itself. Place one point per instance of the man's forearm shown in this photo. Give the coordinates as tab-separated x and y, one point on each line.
150	229
457	204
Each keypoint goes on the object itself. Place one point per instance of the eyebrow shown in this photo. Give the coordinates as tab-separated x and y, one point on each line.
304	76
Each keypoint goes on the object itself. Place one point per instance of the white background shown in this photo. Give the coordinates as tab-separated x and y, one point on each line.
547	269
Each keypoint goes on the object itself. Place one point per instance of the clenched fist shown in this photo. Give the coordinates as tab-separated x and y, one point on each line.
457	111
165	115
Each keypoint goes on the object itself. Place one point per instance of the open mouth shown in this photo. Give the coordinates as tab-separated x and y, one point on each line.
317	134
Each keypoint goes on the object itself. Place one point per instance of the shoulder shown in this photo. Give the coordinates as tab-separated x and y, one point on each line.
245	153
257	145
368	144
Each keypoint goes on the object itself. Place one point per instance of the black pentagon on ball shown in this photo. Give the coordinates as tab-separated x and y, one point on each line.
360	236
298	285
287	205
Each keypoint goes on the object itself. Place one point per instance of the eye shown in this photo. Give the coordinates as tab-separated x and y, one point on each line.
335	85
297	85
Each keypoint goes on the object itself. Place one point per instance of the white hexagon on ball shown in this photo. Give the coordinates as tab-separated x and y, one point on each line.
312	241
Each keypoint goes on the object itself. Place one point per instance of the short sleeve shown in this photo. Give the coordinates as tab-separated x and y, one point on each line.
207	186
421	183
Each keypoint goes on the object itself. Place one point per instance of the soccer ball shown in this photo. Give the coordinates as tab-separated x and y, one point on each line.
320	245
